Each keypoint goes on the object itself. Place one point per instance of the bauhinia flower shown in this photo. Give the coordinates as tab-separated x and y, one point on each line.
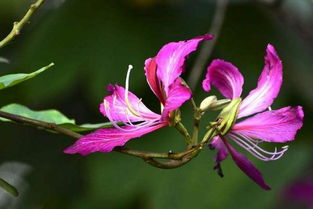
121	106
262	126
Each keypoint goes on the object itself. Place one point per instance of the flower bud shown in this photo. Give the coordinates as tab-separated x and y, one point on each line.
207	103
211	103
220	104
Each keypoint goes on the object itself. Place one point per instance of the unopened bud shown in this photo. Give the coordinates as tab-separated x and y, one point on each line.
207	103
220	104
211	103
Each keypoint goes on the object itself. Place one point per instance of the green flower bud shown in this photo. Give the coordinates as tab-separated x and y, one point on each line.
207	103
211	103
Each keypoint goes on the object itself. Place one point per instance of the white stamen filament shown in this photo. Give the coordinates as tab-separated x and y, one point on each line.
130	67
128	104
107	111
129	123
127	117
252	146
129	113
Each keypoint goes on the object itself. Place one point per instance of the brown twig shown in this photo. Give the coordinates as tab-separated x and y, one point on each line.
176	159
39	124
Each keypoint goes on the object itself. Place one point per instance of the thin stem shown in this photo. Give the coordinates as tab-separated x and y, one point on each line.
41	124
195	132
207	47
194	105
209	135
143	154
181	129
167	165
160	155
196	123
17	26
176	159
184	157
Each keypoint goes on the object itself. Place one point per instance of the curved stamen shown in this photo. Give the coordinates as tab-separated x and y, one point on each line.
257	141
257	154
252	147
114	123
140	125
130	67
136	113
127	117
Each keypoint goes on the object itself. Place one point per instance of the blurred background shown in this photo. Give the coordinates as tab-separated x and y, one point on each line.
92	42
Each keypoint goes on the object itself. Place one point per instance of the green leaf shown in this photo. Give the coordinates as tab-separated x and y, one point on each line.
51	116
13	79
8	187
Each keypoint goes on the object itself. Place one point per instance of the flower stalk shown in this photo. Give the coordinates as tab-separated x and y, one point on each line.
17	26
182	129
196	124
176	159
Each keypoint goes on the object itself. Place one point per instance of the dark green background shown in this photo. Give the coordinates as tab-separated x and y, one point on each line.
92	42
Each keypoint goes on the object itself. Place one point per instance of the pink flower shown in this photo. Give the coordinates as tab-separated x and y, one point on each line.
121	106
300	192
263	126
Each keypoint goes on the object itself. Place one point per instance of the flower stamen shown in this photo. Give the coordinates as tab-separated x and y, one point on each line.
134	112
252	147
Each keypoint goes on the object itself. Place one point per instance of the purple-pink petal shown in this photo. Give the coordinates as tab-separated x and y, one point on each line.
171	59
218	144
268	85
272	126
247	167
104	140
225	77
116	109
152	79
177	95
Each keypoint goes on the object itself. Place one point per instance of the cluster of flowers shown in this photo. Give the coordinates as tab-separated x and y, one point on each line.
132	119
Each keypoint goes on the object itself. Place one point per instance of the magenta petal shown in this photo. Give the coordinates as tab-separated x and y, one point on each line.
247	167
225	77
152	79
272	126
218	144
268	86
177	95
171	58
115	108
104	140
221	155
